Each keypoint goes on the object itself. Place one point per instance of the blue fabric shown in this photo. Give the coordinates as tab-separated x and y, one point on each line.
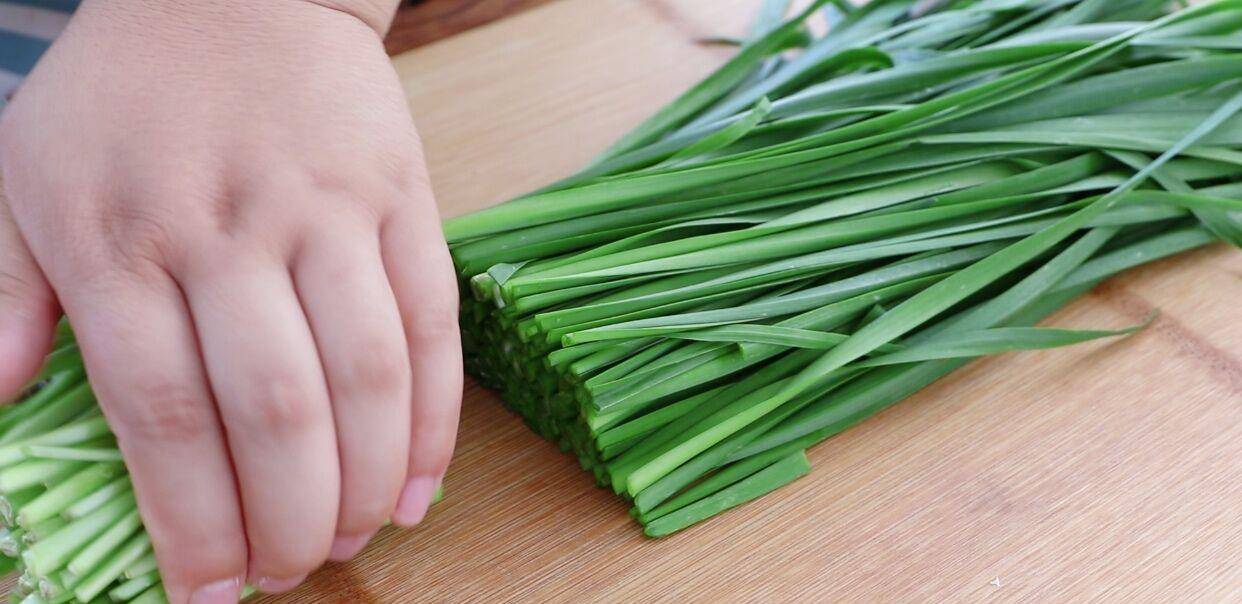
64	6
22	42
18	52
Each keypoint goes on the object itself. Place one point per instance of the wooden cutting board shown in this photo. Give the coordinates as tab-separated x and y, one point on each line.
1109	471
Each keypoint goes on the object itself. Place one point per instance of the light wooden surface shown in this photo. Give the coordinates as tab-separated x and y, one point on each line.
1107	472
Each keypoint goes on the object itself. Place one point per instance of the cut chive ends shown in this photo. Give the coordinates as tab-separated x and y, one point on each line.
829	223
71	526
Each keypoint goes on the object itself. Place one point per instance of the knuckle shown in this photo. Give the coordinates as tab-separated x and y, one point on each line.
430	465
20	281
276	403
407	171
20	294
339	178
365	513
280	558
192	548
378	371
432	326
435	318
13	282
159	410
138	236
338	188
437	463
432	451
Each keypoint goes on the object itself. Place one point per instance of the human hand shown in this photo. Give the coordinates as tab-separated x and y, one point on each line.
228	200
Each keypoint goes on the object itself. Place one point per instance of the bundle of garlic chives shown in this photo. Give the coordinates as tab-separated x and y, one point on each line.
71	524
825	225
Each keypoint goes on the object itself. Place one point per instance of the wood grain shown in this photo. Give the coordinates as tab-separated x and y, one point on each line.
1109	471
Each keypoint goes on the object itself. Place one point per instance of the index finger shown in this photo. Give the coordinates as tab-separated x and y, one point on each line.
142	357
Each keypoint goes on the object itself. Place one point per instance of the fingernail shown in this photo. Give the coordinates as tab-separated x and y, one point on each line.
227	591
345	547
275	585
415	498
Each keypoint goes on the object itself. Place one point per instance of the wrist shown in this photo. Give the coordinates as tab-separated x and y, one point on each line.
229	15
377	14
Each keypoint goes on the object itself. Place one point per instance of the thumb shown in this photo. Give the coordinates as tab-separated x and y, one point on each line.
28	309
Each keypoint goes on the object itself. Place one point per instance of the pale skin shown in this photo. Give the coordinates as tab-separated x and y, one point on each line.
228	200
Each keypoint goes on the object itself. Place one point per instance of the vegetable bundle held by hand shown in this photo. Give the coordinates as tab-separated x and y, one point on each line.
827	224
71	523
